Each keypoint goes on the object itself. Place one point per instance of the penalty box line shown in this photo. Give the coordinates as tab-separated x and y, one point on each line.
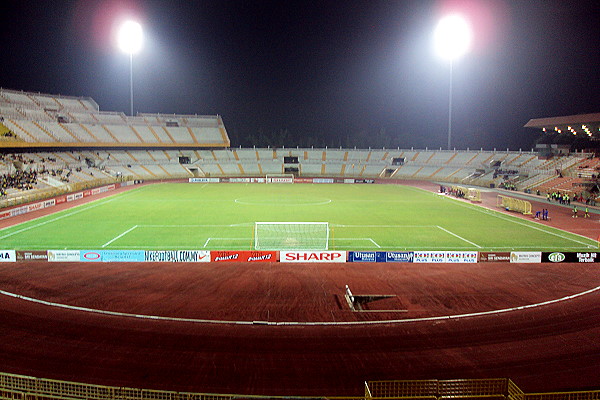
459	237
120	236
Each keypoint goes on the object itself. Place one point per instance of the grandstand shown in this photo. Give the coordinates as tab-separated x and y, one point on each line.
157	146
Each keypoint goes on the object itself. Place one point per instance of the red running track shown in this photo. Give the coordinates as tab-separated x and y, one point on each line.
545	348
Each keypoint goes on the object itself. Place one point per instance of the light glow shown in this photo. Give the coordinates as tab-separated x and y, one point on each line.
452	37
130	37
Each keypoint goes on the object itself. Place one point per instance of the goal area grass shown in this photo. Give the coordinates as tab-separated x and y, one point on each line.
190	216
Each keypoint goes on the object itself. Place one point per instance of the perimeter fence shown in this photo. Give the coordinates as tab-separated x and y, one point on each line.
21	387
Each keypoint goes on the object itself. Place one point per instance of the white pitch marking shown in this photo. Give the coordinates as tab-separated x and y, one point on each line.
206	243
120	236
460	237
78	209
375	243
397	321
499	215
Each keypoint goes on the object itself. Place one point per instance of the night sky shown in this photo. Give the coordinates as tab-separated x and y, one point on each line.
337	73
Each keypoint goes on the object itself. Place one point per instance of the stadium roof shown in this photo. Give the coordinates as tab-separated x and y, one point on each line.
588	124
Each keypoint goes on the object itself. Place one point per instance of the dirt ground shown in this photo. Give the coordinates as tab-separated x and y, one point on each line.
537	324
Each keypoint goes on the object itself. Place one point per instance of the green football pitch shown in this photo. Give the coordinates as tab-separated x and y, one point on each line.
185	216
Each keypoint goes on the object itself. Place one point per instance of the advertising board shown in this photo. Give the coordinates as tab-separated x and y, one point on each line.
381	256
322	180
36	255
503	256
399	256
526	257
366	256
8	256
63	255
429	257
113	255
570	257
461	256
204	180
243	256
312	256
303	180
178	256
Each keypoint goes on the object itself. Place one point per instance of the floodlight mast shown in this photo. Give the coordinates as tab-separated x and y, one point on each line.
130	40
452	40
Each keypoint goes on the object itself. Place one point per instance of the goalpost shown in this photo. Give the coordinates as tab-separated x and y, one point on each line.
279	178
291	235
512	204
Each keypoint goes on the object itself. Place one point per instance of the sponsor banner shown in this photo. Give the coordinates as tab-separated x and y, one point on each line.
461	256
365	256
204	180
49	203
113	255
74	196
32	255
257	180
303	180
280	179
19	211
399	256
526	257
90	255
63	255
322	180
61	199
243	256
312	256
348	180
430	257
503	256
365	181
87	193
5	214
178	256
558	257
8	256
35	206
239	180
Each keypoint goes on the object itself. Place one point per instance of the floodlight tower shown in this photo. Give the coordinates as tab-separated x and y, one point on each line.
452	38
130	39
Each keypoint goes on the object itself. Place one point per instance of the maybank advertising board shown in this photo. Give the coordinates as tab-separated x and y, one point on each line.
312	256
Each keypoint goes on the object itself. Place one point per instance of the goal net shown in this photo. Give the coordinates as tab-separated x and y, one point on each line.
512	204
291	235
281	178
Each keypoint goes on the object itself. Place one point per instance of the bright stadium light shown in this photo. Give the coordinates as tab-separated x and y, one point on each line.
130	39
452	38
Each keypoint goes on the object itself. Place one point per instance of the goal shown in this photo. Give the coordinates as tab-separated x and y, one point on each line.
280	178
291	235
512	204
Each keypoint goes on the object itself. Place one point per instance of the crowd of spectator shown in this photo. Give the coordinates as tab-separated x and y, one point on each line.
23	180
25	176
